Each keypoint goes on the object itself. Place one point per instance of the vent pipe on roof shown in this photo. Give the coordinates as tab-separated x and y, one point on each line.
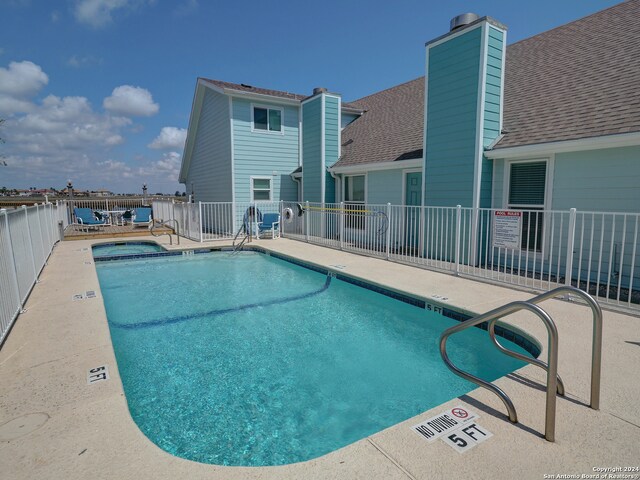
462	20
319	90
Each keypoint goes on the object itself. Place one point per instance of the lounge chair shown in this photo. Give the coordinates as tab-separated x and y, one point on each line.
270	223
86	218
142	216
125	217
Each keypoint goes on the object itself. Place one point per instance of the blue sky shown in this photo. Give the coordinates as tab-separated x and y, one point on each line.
100	91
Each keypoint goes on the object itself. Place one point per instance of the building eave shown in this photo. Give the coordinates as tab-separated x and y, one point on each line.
541	149
370	167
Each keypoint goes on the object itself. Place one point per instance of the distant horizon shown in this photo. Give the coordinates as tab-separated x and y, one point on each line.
100	92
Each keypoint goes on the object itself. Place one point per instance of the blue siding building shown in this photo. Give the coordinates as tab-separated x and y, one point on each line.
484	117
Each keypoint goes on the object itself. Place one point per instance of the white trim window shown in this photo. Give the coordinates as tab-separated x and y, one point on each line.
267	119
527	191
261	189
354	198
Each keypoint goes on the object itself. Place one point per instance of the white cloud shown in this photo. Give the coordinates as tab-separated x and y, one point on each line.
56	138
1	50
55	16
170	137
131	101
60	126
98	13
78	61
22	79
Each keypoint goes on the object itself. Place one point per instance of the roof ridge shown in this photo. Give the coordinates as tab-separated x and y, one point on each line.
246	85
599	12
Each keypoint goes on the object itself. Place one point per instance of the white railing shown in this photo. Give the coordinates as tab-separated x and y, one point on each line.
27	237
532	249
597	252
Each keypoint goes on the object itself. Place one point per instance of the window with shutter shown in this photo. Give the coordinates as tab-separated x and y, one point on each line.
527	188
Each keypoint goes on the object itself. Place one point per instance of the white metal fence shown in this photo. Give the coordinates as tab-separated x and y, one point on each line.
27	237
535	249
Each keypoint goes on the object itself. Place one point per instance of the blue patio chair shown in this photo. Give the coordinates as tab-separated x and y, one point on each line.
270	223
85	217
142	216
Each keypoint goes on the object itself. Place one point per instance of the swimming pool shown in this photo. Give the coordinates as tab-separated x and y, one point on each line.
251	360
125	248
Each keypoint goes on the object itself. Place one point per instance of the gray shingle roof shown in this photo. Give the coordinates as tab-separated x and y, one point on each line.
576	81
242	87
391	128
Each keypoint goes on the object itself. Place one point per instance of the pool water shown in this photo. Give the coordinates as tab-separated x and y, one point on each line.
125	248
251	360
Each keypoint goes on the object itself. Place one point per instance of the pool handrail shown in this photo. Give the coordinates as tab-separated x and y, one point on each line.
163	223
554	382
552	370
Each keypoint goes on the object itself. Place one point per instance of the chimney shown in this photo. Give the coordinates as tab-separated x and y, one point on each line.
462	20
463	110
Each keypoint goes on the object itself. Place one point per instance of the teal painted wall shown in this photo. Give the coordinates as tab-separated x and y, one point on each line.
451	123
261	154
311	150
494	82
331	142
605	180
498	183
210	168
385	187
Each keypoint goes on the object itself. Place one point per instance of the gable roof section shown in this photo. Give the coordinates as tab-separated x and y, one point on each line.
228	87
576	81
391	128
244	88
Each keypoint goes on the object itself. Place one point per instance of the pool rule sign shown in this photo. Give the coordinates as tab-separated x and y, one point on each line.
507	225
457	427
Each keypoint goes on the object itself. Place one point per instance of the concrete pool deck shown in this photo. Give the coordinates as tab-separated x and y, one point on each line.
86	431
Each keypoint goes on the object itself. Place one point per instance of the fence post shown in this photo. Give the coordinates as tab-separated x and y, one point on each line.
33	261
12	257
458	223
233	218
200	221
40	228
306	221
341	225
421	233
570	242
388	231
281	218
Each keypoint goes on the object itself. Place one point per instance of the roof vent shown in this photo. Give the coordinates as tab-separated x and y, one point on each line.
462	20
319	90
246	85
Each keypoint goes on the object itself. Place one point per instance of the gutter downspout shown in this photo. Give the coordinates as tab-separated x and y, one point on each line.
297	180
338	183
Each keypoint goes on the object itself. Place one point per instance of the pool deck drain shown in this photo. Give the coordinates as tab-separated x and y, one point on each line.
90	434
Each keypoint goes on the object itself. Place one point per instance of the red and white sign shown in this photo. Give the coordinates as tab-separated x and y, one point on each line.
507	229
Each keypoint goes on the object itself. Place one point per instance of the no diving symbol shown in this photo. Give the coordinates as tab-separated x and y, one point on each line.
459	412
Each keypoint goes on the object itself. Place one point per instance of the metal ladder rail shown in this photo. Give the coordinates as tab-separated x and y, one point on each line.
176	230
153	225
242	242
552	368
596	343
